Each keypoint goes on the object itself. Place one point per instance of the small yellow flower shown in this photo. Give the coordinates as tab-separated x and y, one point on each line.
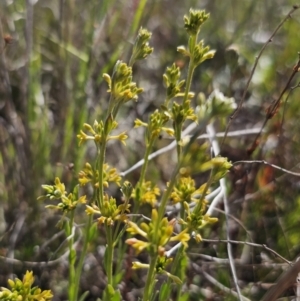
185	190
96	132
135	229
82	199
148	193
87	127
138	123
209	220
198	237
137	265
92	210
169	131
138	245
183	237
83	137
121	137
107	78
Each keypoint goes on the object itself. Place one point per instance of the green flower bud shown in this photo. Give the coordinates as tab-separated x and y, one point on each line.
183	51
193	22
141	48
127	189
107	78
220	167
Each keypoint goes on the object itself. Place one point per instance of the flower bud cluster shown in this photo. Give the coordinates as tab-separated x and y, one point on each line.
194	21
156	125
141	48
110	212
147	193
91	175
217	105
154	241
57	192
99	132
21	290
121	87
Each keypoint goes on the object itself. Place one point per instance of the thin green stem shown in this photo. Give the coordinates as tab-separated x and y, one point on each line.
101	154
178	146
101	158
189	80
131	61
72	259
177	270
150	278
154	257
137	16
176	266
198	208
182	213
111	105
168	192
166	195
142	176
109	255
116	236
83	253
146	161
191	68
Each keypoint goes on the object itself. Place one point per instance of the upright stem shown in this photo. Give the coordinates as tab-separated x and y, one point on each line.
145	165
101	158
166	195
199	205
191	69
189	80
109	255
150	277
142	176
101	155
154	252
83	253
137	16
116	235
178	269
72	259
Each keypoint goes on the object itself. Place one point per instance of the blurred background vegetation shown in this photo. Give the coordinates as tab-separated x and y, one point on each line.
53	55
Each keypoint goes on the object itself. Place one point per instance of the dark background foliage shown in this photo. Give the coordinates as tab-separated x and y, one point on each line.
51	64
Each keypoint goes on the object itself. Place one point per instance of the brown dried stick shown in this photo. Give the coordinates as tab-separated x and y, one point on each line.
285	281
295	7
273	108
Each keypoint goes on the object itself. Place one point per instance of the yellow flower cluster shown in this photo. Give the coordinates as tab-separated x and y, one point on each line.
99	133
90	175
185	191
157	239
58	192
23	290
109	212
148	193
156	125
